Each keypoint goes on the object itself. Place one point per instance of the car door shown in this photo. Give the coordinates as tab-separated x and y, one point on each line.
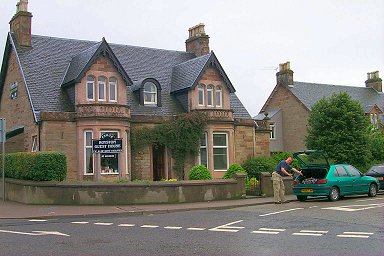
359	184
343	180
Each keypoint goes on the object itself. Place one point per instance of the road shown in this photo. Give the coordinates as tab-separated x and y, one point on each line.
353	225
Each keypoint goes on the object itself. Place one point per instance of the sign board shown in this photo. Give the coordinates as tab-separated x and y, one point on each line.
107	144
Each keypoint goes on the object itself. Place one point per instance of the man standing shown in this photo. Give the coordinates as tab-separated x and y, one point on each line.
281	171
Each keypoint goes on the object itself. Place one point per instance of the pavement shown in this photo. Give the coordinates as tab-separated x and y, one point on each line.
14	210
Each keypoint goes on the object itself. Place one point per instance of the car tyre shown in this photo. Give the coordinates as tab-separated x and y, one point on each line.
301	198
334	195
372	190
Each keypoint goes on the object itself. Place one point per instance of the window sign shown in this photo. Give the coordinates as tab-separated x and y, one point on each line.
109	148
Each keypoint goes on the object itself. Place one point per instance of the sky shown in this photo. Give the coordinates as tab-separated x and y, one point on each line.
329	41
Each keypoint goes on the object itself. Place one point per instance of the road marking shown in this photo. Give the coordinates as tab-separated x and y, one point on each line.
196	229
313	207
355	234
170	227
271	231
227	227
80	222
348	208
273	213
37	220
127	225
36	233
149	226
103	223
371	199
310	233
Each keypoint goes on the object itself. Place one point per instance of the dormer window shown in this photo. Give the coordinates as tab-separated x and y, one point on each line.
200	90
150	93
112	89
219	96
101	88
210	96
90	88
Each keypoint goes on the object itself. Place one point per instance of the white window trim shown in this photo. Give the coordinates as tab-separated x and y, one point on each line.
210	93
118	154
272	127
220	92
34	143
113	84
213	147
200	88
85	153
93	90
98	89
152	93
206	149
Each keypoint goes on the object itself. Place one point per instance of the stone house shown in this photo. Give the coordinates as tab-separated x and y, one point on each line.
61	94
290	103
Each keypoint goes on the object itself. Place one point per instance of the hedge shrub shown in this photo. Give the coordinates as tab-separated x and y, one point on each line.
234	168
259	164
199	172
36	166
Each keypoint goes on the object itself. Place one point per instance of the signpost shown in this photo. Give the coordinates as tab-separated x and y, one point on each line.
107	145
2	140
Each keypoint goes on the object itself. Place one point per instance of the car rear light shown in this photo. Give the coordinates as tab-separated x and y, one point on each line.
323	181
295	182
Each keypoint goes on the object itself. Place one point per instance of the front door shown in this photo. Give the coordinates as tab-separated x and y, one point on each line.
158	162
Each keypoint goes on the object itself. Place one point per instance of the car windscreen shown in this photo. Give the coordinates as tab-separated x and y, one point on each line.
376	170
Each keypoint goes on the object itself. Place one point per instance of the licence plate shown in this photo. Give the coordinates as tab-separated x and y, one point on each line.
307	190
379	178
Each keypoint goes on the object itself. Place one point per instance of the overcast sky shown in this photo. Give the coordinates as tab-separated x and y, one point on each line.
327	41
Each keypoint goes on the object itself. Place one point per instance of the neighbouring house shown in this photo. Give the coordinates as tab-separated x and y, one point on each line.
290	103
60	94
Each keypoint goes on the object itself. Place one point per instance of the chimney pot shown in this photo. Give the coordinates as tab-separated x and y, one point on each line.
198	41
374	81
285	74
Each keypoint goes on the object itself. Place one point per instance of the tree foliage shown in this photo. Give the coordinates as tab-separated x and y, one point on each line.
339	126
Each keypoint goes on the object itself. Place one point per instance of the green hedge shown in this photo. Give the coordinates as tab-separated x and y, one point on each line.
37	166
199	172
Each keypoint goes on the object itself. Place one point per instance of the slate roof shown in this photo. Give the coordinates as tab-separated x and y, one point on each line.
51	62
310	93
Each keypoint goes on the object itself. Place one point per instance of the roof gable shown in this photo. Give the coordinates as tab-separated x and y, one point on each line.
186	75
80	64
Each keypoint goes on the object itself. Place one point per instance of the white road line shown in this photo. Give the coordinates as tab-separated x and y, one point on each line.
227	227
103	223
36	220
170	227
314	231
126	225
196	229
348	208
273	229
310	233
315	206
265	232
358	233
306	234
79	222
20	233
273	213
371	199
353	236
149	226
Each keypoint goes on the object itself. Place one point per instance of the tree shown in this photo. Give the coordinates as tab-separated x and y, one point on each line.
339	126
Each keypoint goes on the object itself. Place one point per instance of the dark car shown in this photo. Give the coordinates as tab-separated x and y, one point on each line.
320	178
377	171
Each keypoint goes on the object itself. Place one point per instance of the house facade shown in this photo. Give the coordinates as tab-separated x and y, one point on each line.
62	94
289	105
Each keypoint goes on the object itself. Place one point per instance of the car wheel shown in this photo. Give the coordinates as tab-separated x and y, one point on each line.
372	190
301	198
334	195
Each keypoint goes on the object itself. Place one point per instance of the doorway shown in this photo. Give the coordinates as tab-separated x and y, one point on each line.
158	162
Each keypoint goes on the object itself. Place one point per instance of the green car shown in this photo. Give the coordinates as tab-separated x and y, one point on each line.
332	180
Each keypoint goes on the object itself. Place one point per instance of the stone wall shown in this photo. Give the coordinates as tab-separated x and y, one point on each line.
30	192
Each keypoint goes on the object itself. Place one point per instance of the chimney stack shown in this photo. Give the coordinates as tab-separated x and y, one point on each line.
198	41
374	81
285	74
20	24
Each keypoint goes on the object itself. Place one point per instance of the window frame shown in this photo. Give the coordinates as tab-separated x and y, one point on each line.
272	134
220	147
35	146
219	96
200	92
205	134
89	147
112	82
99	83
210	96
117	154
152	93
90	83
